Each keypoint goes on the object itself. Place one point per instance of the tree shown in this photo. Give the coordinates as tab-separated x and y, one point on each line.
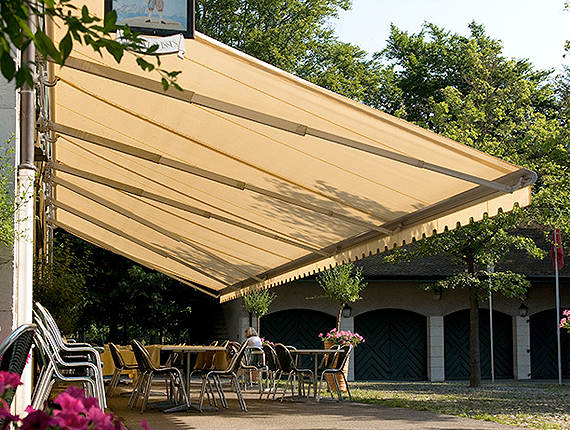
341	286
463	88
257	303
294	36
475	247
124	301
59	284
81	26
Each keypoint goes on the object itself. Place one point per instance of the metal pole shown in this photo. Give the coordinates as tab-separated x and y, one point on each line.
24	222
559	356
491	269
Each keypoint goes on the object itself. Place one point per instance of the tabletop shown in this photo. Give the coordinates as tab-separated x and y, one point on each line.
313	351
192	348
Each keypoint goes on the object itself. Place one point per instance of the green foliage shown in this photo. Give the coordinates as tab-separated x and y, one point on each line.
476	245
11	200
59	285
7	205
81	27
465	89
509	284
293	35
342	285
124	301
258	303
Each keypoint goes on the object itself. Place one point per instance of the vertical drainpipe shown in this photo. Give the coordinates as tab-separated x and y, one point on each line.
24	244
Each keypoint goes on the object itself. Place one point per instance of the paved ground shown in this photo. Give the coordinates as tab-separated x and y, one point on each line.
310	415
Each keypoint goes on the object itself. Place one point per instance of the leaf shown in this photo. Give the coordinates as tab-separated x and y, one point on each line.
86	17
116	50
46	47
24	75
110	21
7	65
145	65
65	46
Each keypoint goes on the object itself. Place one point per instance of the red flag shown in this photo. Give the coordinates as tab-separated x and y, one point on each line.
556	250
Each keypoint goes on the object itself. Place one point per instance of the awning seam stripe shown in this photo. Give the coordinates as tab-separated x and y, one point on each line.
234	158
140	242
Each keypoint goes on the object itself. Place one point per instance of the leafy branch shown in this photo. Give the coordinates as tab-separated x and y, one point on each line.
81	27
10	204
341	286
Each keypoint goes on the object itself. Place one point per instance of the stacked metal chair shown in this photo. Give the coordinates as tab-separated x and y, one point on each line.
66	362
175	389
14	352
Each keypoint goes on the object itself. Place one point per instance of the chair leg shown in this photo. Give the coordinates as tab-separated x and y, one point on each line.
347	388
239	394
133	400
113	382
146	390
220	389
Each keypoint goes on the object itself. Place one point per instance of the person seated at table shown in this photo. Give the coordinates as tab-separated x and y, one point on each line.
253	338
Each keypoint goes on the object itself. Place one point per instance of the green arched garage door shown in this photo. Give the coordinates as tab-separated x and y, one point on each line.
456	329
395	347
544	346
297	327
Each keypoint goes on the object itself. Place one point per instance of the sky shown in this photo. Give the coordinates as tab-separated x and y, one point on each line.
533	29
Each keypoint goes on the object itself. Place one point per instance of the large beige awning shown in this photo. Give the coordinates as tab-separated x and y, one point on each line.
251	177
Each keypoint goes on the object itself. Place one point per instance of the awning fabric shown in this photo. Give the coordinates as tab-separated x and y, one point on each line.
250	177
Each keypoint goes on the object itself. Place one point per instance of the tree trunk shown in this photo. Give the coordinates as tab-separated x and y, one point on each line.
113	328
474	351
339	315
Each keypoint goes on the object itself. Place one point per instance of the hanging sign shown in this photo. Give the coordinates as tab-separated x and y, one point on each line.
155	17
165	45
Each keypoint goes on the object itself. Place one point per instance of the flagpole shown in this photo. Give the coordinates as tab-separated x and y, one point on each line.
491	269
555	238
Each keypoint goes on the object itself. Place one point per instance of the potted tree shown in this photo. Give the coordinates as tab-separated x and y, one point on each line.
342	285
258	303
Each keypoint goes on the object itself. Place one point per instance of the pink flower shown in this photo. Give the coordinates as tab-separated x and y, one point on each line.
8	380
6	415
69	404
71	421
72	415
36	420
99	419
145	425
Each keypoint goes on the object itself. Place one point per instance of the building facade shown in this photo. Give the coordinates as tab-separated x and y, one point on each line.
415	334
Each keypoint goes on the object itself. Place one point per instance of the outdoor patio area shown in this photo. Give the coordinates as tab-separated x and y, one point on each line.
274	415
